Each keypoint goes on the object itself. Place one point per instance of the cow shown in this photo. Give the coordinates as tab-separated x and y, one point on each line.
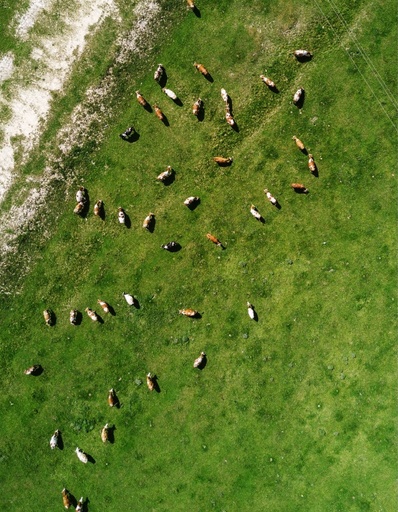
268	82
33	370
158	113
221	160
171	246
213	239
81	195
54	439
129	299
298	95
128	133
141	100
98	208
270	197
311	164
224	95
73	316
201	69
112	398
164	176
150	381
92	314
79	208
81	455
256	214
105	433
191	201
250	310
48	317
147	224
80	505
66	499
298	142
159	73
302	54
104	306
121	215
299	188
197	107
200	360
229	118
191	5
169	93
188	312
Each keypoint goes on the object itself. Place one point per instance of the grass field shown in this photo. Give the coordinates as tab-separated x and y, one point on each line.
294	412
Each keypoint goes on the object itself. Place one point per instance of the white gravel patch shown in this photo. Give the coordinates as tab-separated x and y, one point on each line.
6	66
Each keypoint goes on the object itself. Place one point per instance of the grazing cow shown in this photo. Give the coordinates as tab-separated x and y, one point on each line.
224	95
158	113
201	69
170	93
150	381
199	361
221	160
268	82
302	54
80	504
104	306
197	107
170	246
129	299
48	318
105	433
164	176
33	370
140	98
229	118
66	498
250	310
213	239
188	312
78	209
54	439
159	73
297	95
256	213
128	133
191	5
311	164
191	201
98	208
81	195
81	455
147	224
92	314
112	398
121	215
298	142
73	316
270	197
299	188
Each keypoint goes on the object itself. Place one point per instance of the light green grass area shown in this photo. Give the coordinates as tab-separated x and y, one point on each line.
295	412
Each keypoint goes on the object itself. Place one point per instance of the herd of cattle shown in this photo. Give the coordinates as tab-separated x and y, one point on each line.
191	202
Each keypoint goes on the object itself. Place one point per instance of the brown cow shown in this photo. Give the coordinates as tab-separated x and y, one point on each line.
66	499
229	118
80	505
188	312
141	100
300	188
98	207
164	176
79	208
197	107
150	382
191	5
112	398
92	314
221	160
201	69
104	305
311	164
158	113
213	239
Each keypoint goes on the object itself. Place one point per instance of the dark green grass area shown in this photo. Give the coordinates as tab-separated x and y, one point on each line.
294	412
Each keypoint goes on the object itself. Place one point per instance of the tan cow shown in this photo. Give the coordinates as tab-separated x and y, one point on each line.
298	142
311	164
188	312
221	160
150	382
104	305
148	221
79	208
201	69
92	314
48	318
66	499
158	113
105	433
191	5
141	100
268	82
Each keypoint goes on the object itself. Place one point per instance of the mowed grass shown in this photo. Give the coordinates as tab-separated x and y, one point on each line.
294	412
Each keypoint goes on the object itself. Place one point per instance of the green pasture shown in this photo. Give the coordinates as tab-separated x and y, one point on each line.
294	412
